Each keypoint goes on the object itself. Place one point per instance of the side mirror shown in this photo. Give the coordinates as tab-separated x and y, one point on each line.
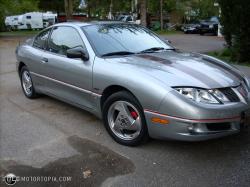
78	52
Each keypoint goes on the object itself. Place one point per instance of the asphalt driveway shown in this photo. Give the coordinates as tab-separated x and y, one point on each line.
46	137
196	43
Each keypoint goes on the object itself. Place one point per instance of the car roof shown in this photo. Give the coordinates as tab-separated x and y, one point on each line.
81	24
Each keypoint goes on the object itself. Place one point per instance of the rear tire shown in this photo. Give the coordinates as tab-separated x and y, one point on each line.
27	83
124	119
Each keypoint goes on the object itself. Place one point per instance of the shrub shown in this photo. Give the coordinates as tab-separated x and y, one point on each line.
235	16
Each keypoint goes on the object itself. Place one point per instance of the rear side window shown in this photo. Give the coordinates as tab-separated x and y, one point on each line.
28	17
63	38
40	40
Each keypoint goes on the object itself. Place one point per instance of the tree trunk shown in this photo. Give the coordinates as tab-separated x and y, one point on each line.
68	5
161	5
110	16
143	9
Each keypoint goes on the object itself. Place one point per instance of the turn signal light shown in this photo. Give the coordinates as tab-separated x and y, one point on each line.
159	120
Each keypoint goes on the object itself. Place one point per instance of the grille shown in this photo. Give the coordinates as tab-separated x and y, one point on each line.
204	26
230	94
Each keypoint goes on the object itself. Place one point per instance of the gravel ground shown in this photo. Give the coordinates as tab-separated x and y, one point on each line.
50	138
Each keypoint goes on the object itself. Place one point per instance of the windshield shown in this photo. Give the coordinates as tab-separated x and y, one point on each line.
113	38
214	19
120	18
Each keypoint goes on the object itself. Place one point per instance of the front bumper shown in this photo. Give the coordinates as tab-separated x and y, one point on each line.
207	30
190	30
194	130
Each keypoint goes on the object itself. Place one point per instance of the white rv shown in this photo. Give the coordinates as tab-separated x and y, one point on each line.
11	22
21	23
30	20
34	20
14	23
8	22
49	19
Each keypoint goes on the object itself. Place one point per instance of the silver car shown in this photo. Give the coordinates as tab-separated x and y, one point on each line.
137	83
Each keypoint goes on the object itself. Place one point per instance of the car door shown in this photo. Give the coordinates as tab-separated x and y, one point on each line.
35	59
67	78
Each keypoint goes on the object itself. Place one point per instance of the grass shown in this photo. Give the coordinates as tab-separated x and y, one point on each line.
222	55
225	55
19	33
167	32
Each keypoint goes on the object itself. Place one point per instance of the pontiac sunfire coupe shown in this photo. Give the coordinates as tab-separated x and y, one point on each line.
136	82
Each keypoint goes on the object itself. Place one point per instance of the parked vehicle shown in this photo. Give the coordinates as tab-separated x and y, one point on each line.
34	20
126	18
210	26
138	84
14	22
49	19
8	22
22	23
192	28
31	20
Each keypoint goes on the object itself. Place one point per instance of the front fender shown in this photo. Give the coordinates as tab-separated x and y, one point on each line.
148	90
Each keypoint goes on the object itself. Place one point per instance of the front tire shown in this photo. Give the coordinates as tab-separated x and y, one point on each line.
124	119
27	84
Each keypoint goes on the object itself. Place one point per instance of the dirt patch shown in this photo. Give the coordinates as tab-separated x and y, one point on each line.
94	161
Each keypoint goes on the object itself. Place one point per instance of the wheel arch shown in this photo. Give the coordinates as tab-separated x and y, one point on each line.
21	64
114	89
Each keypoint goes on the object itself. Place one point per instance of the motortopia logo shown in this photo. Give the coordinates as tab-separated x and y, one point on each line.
11	179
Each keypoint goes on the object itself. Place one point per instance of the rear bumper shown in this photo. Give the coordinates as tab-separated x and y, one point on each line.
191	129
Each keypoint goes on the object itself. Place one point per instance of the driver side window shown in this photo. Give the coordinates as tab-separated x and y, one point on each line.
63	38
40	40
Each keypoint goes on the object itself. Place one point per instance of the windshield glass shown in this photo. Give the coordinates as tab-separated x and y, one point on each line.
214	19
120	18
112	38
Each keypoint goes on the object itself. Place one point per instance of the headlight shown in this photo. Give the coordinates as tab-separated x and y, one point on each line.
199	95
219	95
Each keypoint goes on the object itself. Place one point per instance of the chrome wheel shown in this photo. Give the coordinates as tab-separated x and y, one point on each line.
27	82
124	120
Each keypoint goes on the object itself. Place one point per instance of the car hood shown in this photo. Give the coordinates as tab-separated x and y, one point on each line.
208	23
176	68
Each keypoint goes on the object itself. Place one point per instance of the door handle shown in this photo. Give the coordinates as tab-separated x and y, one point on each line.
44	60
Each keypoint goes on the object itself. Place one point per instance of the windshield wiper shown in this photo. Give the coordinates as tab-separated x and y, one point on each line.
118	53
155	49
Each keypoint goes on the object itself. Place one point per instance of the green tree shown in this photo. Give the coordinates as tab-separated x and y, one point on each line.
236	27
15	7
48	5
102	7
